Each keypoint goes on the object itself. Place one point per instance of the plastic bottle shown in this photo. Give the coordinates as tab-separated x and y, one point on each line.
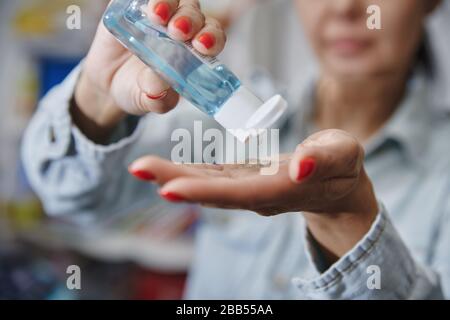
203	81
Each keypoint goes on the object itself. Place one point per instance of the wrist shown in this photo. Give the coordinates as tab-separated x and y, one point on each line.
93	111
339	231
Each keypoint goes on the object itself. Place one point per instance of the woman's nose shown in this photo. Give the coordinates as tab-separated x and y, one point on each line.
349	8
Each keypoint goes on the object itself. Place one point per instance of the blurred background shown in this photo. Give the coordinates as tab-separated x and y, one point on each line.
146	254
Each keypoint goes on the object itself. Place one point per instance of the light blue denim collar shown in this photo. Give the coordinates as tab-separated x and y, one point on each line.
411	124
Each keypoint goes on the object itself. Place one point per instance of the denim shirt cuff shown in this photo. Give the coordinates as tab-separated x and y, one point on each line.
380	255
127	133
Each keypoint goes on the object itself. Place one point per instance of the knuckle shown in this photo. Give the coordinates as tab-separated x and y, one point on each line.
333	133
356	148
353	154
328	164
190	8
355	157
196	16
332	190
338	132
192	3
214	23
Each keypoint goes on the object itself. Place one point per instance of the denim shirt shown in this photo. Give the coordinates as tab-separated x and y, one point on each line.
405	255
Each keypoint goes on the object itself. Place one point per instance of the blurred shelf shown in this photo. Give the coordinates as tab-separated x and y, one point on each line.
168	256
160	238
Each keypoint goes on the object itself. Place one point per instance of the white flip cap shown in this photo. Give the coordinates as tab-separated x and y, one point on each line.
244	112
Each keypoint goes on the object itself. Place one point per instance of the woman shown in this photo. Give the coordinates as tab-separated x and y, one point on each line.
364	120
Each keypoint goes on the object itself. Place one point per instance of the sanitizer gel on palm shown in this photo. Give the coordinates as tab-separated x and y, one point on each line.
203	81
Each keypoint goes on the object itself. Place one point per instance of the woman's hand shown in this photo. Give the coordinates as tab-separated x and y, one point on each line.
324	178
114	82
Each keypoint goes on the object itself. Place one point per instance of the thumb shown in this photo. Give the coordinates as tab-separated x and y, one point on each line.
326	155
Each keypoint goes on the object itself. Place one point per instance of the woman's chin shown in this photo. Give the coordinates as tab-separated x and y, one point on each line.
350	70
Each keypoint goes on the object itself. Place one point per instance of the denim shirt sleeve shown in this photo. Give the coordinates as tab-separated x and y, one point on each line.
74	177
380	266
441	257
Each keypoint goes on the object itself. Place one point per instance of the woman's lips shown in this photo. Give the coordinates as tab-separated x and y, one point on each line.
348	46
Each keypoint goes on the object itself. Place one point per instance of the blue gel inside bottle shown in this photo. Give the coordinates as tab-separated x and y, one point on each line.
203	81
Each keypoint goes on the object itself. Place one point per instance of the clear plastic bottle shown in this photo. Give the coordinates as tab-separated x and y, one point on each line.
203	81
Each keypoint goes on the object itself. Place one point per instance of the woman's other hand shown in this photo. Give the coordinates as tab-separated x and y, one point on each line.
324	178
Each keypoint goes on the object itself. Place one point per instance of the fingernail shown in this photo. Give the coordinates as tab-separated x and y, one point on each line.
162	10
208	40
143	175
306	168
183	24
172	197
160	96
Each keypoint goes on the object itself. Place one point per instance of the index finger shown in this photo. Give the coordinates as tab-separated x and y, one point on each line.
248	192
160	11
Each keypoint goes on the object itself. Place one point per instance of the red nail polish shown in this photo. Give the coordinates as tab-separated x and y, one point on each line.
143	175
208	40
183	24
162	10
160	96
306	168
172	197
